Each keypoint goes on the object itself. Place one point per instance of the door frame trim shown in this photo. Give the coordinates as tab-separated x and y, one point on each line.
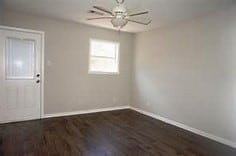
42	34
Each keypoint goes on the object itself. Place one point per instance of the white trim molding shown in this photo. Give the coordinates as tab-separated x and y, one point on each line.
21	29
85	111
42	55
188	128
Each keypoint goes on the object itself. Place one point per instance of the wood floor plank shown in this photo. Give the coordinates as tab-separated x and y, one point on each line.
115	133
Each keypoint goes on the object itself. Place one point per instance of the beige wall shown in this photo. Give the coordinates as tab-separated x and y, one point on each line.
187	73
68	86
1	12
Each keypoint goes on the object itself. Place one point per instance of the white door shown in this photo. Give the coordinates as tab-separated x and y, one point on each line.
20	67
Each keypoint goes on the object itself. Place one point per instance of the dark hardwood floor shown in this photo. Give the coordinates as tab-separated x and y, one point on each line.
117	133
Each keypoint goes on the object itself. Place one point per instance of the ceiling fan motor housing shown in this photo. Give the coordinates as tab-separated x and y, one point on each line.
120	11
120	1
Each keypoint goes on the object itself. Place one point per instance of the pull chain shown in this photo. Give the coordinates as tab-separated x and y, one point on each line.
119	32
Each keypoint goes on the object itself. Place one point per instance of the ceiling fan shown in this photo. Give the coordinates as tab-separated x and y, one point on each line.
119	15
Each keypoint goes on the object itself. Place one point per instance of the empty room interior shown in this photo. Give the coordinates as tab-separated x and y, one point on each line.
117	78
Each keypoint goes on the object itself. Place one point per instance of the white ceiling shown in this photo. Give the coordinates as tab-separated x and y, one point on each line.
162	12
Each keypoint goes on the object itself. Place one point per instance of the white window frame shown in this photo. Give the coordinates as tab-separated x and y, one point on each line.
118	58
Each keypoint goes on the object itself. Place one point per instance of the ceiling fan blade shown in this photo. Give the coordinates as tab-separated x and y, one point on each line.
138	13
95	12
140	19
103	9
140	22
97	18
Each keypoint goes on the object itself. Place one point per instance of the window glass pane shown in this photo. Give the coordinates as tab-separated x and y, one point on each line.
104	57
103	65
103	49
20	59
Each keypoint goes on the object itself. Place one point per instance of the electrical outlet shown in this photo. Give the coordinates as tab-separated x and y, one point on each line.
114	100
147	103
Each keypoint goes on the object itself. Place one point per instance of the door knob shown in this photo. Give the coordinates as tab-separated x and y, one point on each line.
38	81
38	75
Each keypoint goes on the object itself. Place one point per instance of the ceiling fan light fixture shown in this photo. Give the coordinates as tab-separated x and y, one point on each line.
120	15
119	22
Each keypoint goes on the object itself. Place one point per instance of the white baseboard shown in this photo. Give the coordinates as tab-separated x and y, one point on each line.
188	128
85	112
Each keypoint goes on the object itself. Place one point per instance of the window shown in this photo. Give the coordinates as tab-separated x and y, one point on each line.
104	57
20	59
